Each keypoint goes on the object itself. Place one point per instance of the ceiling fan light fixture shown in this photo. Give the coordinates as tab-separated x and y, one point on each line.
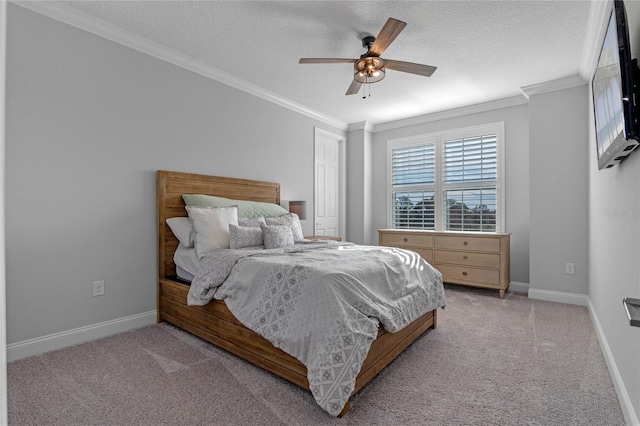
369	69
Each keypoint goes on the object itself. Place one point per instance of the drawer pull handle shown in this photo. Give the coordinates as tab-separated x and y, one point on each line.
465	243
406	239
464	273
465	257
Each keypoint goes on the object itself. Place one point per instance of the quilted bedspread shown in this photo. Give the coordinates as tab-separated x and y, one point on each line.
322	303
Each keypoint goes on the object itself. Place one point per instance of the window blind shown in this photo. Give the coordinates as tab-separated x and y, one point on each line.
470	210
414	209
471	159
413	165
414	168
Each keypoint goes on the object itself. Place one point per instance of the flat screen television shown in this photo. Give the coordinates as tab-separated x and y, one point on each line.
615	93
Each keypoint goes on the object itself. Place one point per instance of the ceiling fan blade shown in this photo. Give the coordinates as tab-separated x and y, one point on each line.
388	33
326	61
425	70
354	88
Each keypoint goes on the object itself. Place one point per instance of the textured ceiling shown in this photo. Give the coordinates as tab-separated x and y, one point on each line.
484	50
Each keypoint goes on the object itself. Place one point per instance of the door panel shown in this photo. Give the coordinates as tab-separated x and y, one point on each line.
327	178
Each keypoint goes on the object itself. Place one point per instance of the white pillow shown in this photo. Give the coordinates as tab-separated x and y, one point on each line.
291	220
276	236
212	227
182	228
245	236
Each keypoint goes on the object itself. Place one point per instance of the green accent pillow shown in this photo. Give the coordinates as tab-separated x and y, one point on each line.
246	209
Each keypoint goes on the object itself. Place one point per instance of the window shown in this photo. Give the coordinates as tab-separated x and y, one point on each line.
448	181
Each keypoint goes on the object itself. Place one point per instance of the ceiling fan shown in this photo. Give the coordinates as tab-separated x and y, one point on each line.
371	68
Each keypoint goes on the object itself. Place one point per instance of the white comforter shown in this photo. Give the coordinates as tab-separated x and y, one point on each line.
321	303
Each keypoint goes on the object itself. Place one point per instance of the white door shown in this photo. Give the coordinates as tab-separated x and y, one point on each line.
327	184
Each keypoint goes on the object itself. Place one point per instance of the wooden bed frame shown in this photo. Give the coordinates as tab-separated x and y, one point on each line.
214	322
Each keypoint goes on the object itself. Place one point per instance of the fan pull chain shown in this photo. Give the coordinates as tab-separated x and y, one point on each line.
366	85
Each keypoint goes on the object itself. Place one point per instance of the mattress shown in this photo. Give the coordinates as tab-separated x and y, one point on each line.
186	261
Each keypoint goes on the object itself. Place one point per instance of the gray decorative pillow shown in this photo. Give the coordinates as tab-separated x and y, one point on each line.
276	236
244	236
291	220
254	223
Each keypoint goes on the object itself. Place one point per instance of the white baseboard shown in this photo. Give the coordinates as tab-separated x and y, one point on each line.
519	287
559	296
623	396
76	336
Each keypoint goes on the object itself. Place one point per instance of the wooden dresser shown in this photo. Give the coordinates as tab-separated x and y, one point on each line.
479	259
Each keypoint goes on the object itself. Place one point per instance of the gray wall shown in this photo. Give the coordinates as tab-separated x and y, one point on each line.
558	198
88	124
614	246
516	124
359	189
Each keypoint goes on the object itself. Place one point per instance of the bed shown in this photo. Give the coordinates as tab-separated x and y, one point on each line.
214	321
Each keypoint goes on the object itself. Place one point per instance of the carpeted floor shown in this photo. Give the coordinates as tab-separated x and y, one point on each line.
514	361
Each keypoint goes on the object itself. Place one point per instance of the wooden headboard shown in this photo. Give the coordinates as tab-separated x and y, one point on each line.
171	186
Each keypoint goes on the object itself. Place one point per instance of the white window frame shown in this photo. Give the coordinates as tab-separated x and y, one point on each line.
439	187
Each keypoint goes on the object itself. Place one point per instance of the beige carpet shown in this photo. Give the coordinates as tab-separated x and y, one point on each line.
490	362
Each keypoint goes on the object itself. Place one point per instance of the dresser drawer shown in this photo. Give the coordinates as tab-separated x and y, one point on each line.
467	259
486	244
465	274
406	240
427	254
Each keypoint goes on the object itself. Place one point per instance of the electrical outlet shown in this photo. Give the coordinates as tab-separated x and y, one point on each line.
570	268
98	288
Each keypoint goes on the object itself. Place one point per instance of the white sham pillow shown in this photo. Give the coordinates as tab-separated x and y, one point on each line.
276	236
182	228
291	220
212	227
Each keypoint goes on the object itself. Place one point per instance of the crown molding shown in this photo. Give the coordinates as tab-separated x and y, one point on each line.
362	125
85	22
553	85
597	24
452	113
